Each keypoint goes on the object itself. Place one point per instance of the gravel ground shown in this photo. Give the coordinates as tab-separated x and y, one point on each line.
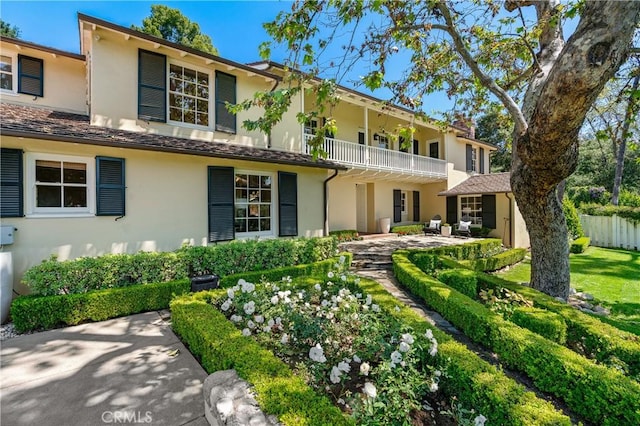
8	331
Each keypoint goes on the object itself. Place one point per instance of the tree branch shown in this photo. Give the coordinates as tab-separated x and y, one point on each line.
487	81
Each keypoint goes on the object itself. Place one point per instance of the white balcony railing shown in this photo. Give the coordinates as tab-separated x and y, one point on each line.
373	158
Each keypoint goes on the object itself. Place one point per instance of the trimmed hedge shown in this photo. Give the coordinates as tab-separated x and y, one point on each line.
220	346
120	270
473	381
477	249
45	312
345	235
580	245
498	261
600	394
426	262
463	280
542	322
596	339
632	214
407	229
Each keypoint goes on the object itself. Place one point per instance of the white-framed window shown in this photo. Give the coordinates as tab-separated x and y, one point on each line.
60	185
471	206
382	141
189	95
311	126
474	159
254	204
8	72
404	207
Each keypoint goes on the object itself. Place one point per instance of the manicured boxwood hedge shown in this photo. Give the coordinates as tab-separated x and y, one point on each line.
498	261
545	323
44	312
580	245
474	382
408	229
597	339
463	280
477	249
600	394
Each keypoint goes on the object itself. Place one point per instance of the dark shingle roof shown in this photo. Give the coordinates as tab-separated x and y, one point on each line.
23	121
482	184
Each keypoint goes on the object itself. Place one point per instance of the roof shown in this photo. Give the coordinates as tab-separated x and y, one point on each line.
46	124
492	183
160	41
51	50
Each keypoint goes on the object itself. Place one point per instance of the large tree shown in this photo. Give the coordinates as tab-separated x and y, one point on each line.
513	50
170	24
8	30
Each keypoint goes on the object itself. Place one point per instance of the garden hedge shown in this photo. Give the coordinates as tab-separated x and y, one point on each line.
463	280
220	346
580	245
408	229
477	249
545	323
45	312
600	394
345	235
596	339
498	261
473	381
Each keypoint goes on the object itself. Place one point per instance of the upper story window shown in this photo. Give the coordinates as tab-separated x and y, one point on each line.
311	126
6	73
381	140
188	95
472	158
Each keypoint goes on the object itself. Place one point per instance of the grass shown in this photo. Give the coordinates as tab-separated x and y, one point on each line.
610	275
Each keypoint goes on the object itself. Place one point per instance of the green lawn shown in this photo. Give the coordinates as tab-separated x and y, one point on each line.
612	276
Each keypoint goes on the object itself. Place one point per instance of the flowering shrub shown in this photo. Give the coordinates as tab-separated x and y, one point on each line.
346	346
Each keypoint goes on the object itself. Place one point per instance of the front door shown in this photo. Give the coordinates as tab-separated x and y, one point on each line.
361	207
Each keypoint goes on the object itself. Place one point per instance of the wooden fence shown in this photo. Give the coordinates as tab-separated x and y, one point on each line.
611	231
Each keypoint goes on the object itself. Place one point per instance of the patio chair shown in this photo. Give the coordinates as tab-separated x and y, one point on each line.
433	227
463	229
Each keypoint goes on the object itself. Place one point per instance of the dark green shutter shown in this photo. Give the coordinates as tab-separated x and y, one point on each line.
489	211
481	160
416	206
433	150
221	203
416	147
11	200
225	92
397	205
452	209
152	86
469	158
361	138
287	204
30	76
110	186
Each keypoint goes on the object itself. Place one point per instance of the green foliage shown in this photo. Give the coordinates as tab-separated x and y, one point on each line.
45	312
503	301
427	262
547	324
407	229
463	280
481	232
580	245
345	235
470	251
8	30
628	198
574	227
585	334
588	194
170	24
496	127
473	381
630	213
220	345
121	270
498	261
601	395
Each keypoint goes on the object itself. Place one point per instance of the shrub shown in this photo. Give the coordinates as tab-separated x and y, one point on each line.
573	220
632	214
498	261
481	232
407	229
474	250
427	263
588	194
542	322
585	333
44	312
628	198
462	280
600	394
345	235
580	245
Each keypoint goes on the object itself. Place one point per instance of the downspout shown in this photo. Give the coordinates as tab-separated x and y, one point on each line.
511	225
269	135
326	202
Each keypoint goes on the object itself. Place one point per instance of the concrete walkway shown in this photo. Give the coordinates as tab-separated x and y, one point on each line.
123	371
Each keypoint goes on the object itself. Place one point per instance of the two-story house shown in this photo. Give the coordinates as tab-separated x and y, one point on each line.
128	146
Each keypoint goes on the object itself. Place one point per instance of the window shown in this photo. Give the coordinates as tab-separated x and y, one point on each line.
433	150
474	160
6	73
188	95
253	203
30	75
311	127
382	140
472	206
60	184
403	203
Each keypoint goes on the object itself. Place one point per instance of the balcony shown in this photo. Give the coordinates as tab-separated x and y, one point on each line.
382	162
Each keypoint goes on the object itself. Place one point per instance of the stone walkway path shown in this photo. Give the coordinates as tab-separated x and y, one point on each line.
372	259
